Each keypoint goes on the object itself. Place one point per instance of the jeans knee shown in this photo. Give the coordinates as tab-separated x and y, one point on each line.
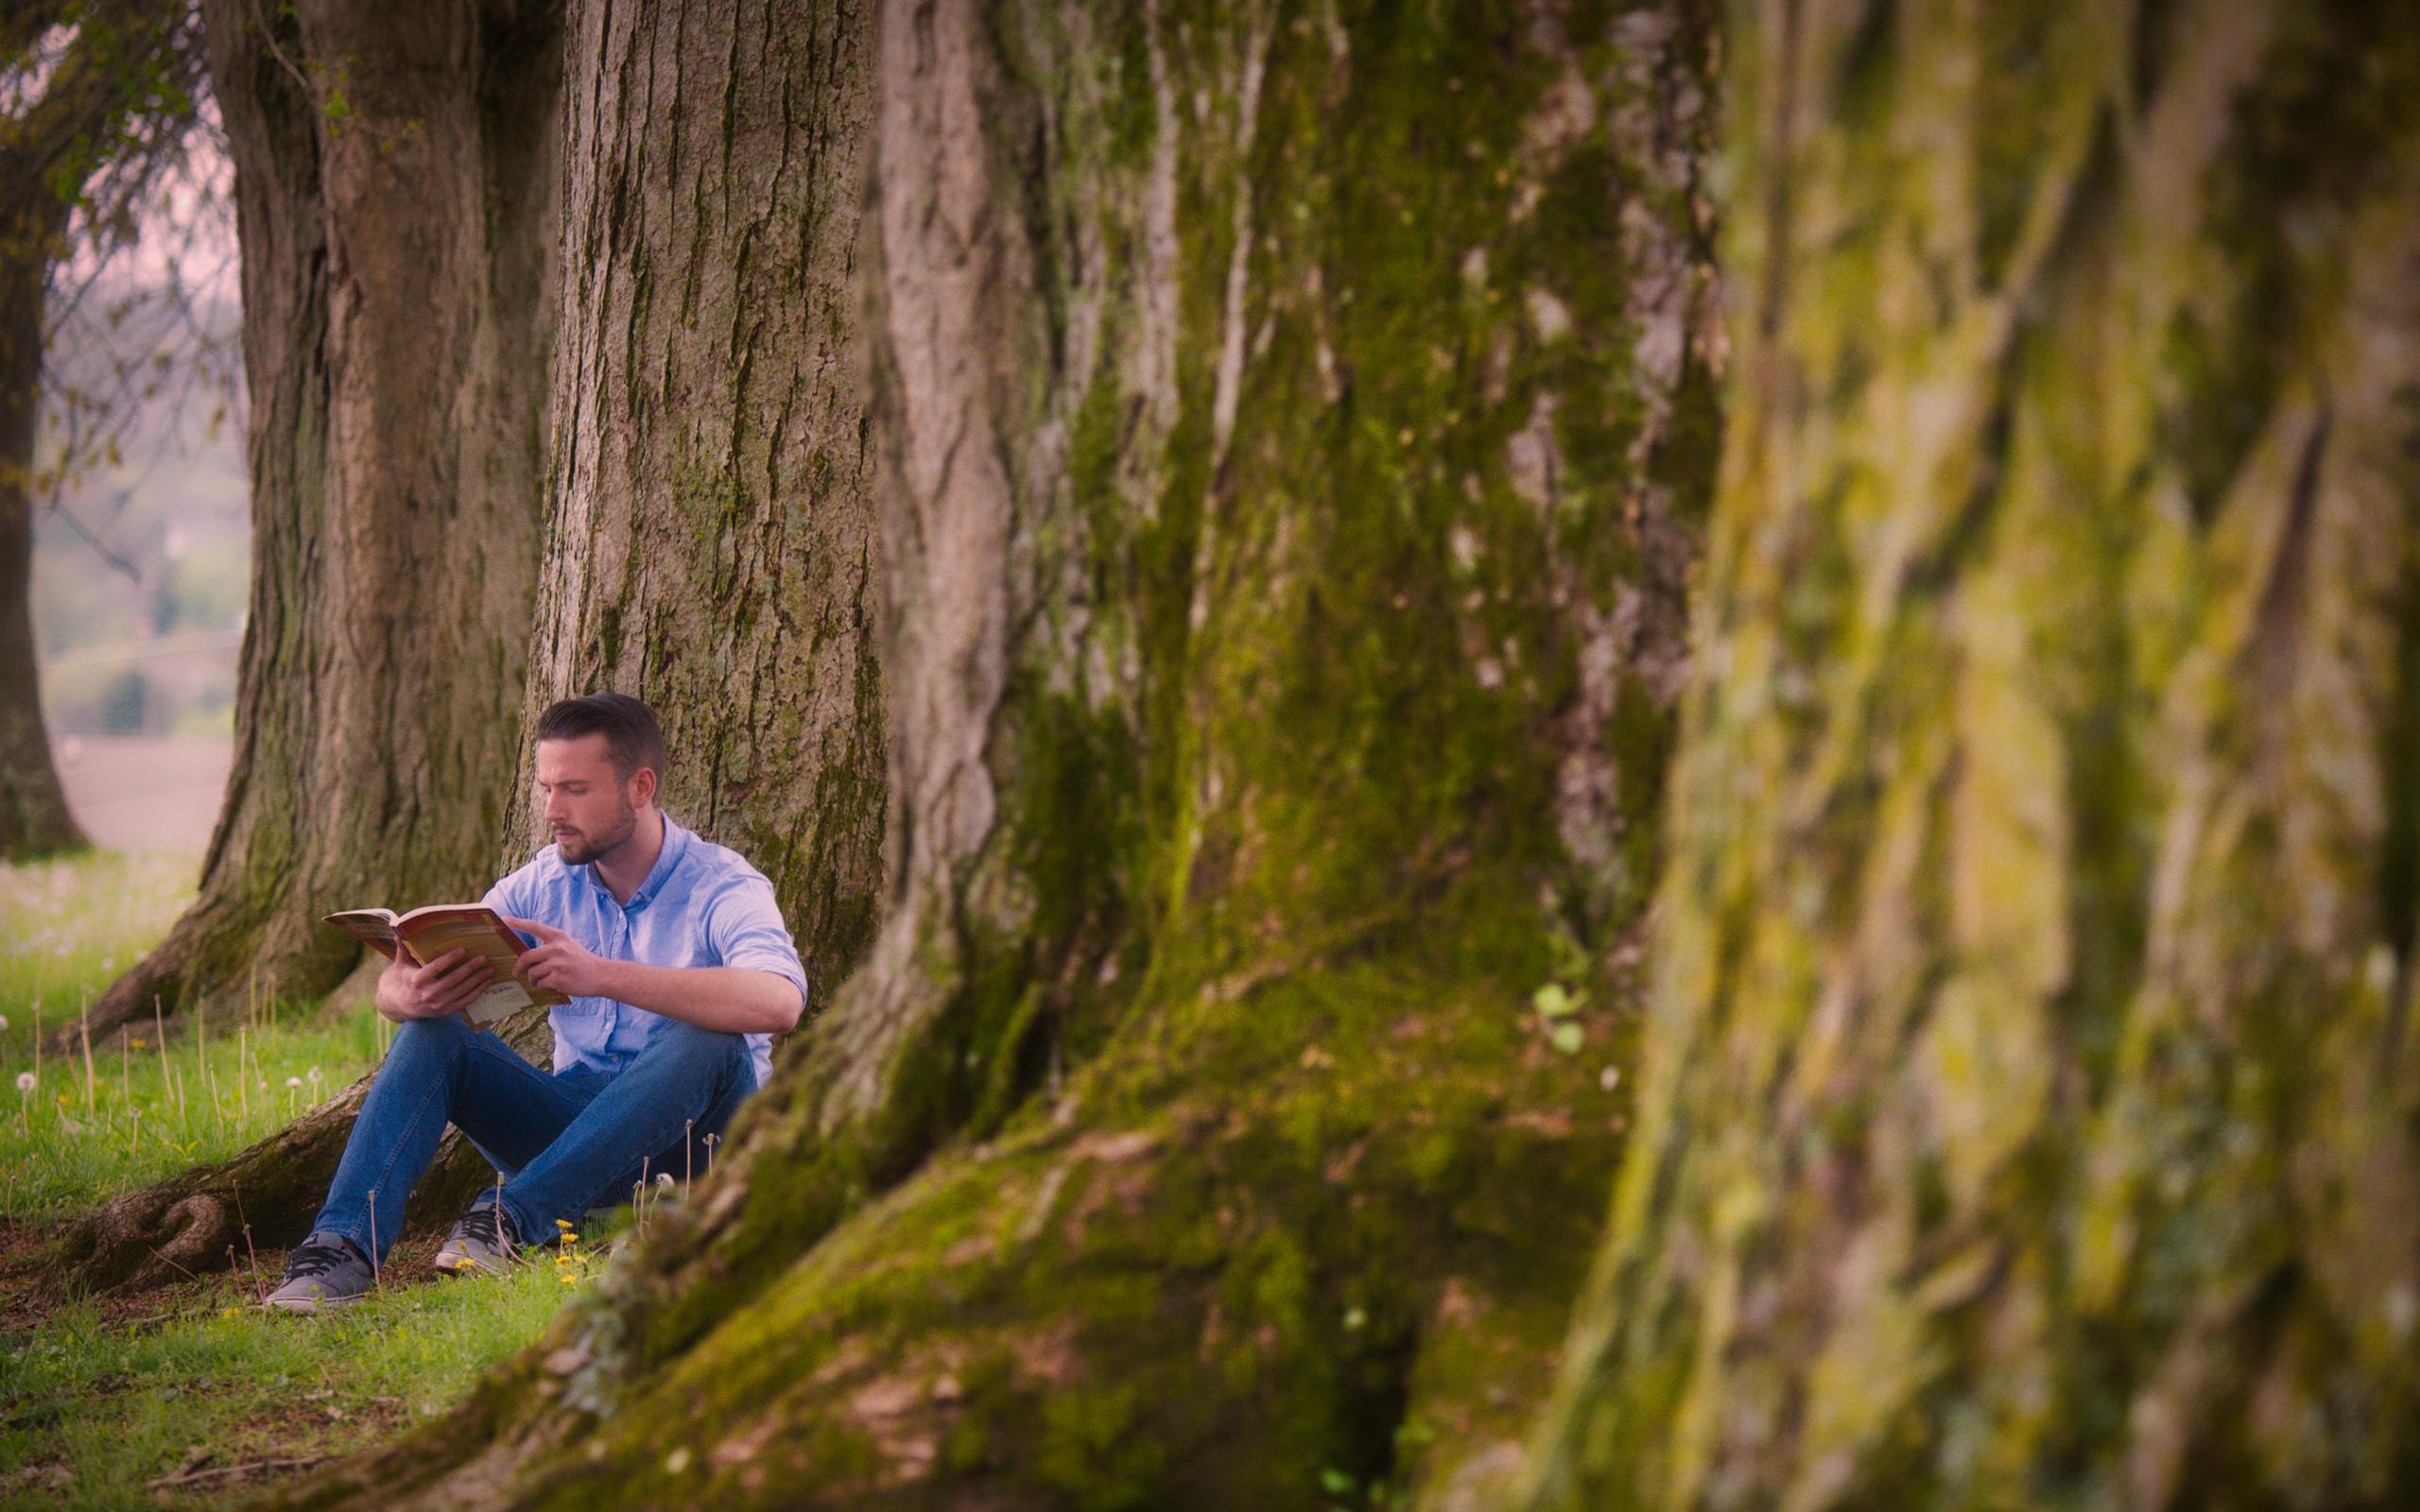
701	1050
440	1040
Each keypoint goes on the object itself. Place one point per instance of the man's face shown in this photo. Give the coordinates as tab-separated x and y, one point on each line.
589	809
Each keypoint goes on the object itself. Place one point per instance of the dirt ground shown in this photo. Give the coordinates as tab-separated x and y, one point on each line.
143	793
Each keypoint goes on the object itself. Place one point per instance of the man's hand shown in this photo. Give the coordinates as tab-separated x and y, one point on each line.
561	963
408	990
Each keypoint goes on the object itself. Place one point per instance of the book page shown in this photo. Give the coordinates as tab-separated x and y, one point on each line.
430	933
374	927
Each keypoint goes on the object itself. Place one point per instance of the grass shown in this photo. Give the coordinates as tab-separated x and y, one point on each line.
101	1397
78	1129
99	1402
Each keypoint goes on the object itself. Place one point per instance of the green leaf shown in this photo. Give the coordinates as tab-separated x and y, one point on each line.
1552	1002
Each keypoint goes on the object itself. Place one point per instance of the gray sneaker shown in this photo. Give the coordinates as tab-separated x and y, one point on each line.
481	1242
324	1271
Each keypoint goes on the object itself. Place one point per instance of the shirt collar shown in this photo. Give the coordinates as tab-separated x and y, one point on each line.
676	845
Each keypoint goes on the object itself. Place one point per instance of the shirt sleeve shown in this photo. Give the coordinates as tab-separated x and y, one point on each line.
513	895
744	925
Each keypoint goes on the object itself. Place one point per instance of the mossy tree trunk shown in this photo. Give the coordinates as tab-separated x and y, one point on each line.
396	184
2028	1115
1290	433
712	531
711	541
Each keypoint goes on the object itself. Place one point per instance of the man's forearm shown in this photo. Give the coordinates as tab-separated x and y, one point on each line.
726	999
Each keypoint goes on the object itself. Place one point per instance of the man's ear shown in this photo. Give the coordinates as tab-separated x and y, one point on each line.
643	786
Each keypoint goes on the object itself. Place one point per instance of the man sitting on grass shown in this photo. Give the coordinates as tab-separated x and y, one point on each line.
680	972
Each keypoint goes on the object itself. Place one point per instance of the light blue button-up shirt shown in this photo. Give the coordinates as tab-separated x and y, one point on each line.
701	905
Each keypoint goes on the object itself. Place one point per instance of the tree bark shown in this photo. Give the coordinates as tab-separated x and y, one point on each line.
2028	1115
34	820
138	59
710	539
395	192
1291	434
712	527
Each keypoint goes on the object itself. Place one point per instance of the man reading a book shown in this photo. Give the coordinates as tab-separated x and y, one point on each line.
679	969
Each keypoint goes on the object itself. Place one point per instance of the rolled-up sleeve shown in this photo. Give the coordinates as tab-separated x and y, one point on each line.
744	925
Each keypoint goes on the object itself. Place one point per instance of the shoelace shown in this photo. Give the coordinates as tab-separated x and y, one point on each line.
316	1258
486	1225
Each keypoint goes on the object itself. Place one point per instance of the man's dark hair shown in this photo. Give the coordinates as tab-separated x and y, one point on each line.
632	737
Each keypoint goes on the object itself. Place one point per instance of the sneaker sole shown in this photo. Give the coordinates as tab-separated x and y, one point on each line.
466	1265
306	1304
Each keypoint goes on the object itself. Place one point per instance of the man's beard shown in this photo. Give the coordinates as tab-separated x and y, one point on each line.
576	846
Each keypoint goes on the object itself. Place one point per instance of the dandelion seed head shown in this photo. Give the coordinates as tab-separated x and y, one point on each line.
24	1081
294	1081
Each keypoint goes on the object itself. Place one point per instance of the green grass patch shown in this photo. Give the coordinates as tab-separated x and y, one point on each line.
75	1129
97	1401
101	1398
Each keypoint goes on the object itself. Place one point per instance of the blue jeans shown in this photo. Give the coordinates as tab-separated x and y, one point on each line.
565	1142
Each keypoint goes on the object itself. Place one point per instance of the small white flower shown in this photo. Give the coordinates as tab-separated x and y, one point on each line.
294	1081
664	1181
24	1081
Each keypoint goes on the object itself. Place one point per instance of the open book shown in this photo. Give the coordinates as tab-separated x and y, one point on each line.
430	933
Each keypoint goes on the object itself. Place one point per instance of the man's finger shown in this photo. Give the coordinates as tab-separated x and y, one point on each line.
473	969
546	933
445	960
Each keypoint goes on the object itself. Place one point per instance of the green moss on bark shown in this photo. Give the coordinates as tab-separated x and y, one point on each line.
1289	542
2028	1069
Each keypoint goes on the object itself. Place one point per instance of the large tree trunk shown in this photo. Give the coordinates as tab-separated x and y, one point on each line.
131	62
395	171
712	536
1291	436
2028	1110
34	820
712	525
